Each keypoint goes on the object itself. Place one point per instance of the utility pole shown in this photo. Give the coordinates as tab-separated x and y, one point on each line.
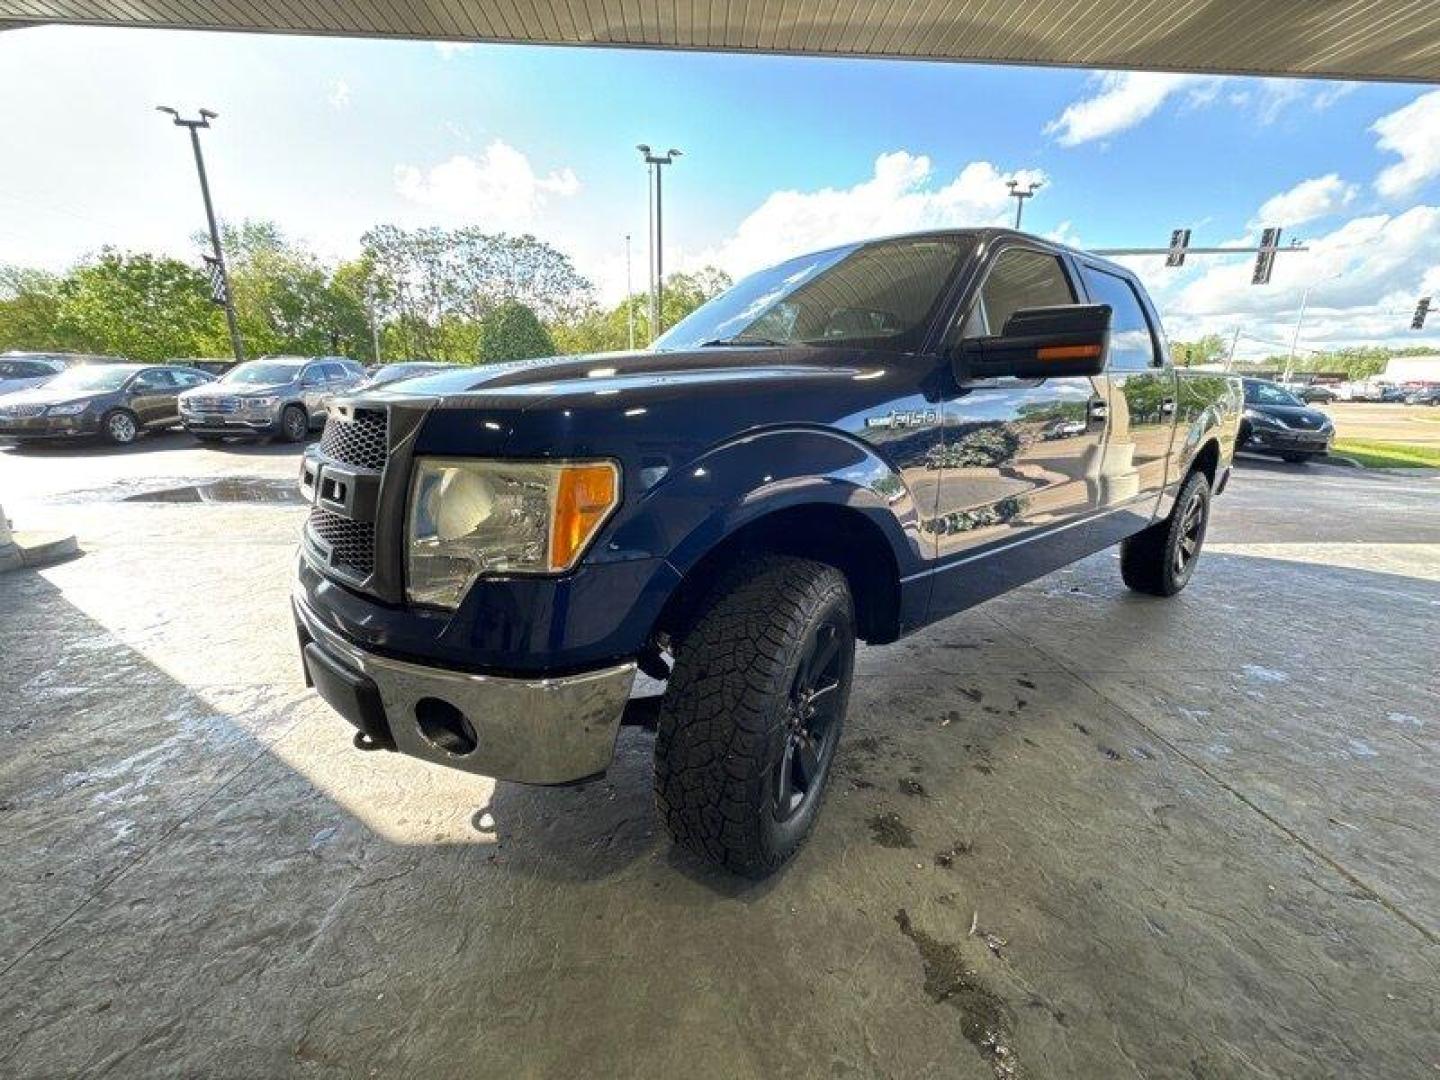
655	162
1020	196
629	303
1295	340
1234	341
220	276
374	327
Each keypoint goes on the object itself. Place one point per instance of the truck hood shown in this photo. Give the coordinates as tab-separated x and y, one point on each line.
665	404
526	383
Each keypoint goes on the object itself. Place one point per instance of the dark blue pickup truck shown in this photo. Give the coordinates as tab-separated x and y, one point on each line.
844	448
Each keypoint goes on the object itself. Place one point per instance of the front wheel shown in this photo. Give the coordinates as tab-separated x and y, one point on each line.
120	427
753	713
1161	559
294	424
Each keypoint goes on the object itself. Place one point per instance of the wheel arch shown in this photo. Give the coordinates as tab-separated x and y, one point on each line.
836	535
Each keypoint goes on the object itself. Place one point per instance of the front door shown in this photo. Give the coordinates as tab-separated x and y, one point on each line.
154	397
1019	455
1142	400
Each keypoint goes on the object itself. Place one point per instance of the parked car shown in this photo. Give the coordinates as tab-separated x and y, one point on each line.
1277	422
1392	394
1429	395
282	396
1316	394
19	371
385	374
116	402
850	445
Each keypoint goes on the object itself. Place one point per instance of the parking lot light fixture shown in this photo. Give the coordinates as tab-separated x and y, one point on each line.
654	163
221	289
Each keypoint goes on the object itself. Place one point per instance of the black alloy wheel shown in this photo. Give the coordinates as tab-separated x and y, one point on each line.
811	728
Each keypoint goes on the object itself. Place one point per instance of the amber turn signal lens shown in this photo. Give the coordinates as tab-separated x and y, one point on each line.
1067	352
584	498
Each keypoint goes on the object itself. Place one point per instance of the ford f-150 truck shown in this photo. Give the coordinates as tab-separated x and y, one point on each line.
843	448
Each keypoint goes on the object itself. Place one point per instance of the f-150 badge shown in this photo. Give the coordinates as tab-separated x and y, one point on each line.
903	418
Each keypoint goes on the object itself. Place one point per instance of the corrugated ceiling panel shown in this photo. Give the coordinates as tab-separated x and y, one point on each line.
1363	39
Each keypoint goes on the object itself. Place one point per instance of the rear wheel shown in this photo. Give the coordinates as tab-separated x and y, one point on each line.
294	424
1160	560
120	427
753	713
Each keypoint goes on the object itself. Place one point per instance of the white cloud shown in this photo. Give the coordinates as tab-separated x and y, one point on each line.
1413	132
1306	201
339	96
902	195
1333	93
499	188
1275	96
448	49
1125	98
1363	279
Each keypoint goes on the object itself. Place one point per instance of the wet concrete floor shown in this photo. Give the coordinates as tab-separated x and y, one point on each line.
1074	833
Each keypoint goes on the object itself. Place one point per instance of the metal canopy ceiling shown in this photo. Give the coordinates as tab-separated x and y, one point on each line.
1355	39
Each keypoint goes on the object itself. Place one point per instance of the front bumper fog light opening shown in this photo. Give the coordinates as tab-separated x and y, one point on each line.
444	727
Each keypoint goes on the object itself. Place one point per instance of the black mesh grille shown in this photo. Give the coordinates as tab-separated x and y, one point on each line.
352	543
360	440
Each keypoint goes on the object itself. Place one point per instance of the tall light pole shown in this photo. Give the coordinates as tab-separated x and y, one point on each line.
655	162
220	284
629	304
1020	196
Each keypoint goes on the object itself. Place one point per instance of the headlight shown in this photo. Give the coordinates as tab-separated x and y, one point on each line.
473	517
1255	416
73	409
260	402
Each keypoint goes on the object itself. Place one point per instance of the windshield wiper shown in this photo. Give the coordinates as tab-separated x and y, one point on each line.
742	339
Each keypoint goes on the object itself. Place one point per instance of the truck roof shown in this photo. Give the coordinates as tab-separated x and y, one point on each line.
988	235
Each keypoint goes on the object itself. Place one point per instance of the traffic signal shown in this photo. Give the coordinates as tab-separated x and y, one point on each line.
1265	261
1179	241
1421	310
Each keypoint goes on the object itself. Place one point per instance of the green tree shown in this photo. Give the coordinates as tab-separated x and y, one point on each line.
142	306
512	331
29	309
287	301
602	330
1210	349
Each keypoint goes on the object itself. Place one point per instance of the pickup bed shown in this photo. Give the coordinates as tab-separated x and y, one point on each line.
846	447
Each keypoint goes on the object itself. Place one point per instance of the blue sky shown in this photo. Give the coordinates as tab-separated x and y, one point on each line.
330	136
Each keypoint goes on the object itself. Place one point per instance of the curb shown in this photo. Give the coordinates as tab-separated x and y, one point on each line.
35	549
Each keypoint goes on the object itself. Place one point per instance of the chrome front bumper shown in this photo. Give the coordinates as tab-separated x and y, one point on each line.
535	731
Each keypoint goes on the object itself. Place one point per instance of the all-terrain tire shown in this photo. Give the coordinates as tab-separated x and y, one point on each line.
727	727
1161	559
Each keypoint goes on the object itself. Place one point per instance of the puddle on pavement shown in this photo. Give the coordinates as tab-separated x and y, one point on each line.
228	490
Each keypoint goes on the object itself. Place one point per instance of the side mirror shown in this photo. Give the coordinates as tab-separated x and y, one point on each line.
1039	343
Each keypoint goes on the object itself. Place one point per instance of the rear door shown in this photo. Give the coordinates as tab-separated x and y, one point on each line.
1142	396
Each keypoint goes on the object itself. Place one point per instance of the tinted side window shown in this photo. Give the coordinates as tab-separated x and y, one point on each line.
333	372
1132	346
1019	279
154	380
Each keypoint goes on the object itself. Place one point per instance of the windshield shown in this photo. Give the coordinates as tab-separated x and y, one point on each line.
395	372
90	378
1263	393
881	295
263	373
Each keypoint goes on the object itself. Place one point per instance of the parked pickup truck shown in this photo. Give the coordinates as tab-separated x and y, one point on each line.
844	448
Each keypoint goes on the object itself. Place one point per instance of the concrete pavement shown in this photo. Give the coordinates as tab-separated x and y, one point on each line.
1076	832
